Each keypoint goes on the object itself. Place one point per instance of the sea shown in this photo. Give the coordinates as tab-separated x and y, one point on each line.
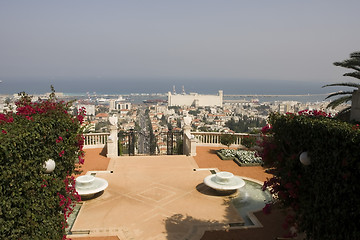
140	90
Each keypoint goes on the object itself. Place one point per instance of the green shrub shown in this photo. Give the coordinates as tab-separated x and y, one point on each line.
227	139
35	205
323	195
248	141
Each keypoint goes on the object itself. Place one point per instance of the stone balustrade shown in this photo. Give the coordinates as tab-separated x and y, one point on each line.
191	140
95	140
213	138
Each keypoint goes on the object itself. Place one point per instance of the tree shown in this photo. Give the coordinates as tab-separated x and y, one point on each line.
227	139
345	96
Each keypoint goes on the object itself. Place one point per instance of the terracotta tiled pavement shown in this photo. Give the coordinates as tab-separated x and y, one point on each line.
95	160
206	158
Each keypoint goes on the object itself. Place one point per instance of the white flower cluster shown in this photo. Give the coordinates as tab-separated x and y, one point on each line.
245	157
228	152
248	157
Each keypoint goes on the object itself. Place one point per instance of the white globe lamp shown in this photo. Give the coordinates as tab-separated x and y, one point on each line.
49	166
305	159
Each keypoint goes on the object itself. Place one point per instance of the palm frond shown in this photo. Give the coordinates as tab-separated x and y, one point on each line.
355	55
344	111
339	93
353	74
352	63
346	84
333	104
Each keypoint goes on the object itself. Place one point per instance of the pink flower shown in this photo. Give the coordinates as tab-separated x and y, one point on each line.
266	128
81	160
61	153
59	139
3	131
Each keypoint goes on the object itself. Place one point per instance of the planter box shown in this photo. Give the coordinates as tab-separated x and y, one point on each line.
238	162
222	157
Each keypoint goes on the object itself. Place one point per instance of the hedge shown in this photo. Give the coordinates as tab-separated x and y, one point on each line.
324	194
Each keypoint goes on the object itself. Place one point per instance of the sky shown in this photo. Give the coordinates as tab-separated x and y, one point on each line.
115	46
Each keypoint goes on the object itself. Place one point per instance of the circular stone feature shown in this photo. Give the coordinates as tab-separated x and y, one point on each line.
224	182
88	185
85	181
223	177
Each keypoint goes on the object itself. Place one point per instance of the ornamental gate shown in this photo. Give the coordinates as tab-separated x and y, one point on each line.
150	143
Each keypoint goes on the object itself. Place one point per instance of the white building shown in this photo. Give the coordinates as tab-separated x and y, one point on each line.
195	99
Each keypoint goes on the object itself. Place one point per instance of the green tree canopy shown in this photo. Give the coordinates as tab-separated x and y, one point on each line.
345	96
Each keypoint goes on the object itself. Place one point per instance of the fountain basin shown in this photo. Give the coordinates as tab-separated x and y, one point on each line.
85	181
89	185
224	182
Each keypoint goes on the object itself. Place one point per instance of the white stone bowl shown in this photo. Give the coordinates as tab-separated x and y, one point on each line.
224	181
85	181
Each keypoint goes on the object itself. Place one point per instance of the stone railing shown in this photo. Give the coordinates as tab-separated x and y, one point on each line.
213	138
95	140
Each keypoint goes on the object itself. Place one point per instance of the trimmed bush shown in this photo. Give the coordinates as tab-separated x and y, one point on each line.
33	204
324	194
227	139
248	141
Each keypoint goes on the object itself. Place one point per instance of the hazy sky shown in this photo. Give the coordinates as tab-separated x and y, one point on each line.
243	42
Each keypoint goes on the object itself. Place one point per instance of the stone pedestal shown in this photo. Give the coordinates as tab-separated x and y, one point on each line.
112	142
189	142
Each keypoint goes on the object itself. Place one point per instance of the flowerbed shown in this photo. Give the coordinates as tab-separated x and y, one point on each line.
226	154
241	157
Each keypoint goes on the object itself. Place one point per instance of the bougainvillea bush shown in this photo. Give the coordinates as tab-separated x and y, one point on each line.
323	195
33	204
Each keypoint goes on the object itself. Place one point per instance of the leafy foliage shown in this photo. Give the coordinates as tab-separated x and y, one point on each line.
316	192
345	96
244	124
227	139
35	205
248	141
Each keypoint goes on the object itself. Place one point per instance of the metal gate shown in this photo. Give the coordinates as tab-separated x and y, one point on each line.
150	143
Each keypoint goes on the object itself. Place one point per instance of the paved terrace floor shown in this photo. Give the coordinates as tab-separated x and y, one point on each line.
161	197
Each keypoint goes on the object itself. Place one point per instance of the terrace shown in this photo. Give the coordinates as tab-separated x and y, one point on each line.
162	197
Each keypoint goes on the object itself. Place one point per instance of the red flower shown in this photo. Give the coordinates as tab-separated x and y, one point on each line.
59	139
81	160
4	132
61	153
266	128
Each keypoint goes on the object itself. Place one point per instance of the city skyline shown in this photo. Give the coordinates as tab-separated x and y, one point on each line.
123	47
